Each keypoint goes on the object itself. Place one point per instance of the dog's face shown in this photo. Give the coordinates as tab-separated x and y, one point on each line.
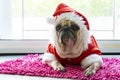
66	31
68	39
70	35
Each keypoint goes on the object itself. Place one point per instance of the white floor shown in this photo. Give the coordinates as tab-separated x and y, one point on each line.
19	77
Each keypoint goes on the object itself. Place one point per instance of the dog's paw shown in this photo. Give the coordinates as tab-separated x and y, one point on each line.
57	66
90	70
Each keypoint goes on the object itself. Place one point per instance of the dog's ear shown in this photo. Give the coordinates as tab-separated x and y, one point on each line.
51	20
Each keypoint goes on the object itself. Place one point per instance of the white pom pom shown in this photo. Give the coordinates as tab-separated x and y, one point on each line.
51	20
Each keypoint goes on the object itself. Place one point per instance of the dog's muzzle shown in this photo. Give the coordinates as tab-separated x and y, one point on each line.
67	37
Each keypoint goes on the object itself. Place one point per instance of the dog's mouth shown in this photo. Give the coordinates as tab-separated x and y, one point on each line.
67	38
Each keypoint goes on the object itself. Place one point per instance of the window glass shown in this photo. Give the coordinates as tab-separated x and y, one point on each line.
28	17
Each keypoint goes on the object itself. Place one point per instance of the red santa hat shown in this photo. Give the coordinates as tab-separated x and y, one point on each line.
64	11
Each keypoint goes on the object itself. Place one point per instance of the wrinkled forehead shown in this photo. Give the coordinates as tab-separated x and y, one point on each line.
66	22
70	18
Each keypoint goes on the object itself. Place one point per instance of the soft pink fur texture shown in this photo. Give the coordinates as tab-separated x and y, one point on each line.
31	65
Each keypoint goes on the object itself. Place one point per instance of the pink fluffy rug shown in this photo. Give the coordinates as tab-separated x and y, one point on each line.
31	65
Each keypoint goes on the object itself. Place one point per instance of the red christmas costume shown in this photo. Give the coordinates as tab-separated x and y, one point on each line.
92	46
92	49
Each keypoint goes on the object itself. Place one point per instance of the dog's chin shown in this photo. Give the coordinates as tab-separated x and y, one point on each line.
67	46
68	42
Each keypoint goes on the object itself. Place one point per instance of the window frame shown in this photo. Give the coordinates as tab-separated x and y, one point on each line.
39	46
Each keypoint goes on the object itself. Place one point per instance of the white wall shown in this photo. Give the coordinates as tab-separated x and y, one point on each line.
5	19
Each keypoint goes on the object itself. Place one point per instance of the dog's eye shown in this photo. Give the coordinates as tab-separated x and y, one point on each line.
75	27
58	27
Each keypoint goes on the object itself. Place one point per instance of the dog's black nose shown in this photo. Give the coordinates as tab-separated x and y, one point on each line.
66	29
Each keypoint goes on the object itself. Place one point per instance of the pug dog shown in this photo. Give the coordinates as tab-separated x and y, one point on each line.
72	42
